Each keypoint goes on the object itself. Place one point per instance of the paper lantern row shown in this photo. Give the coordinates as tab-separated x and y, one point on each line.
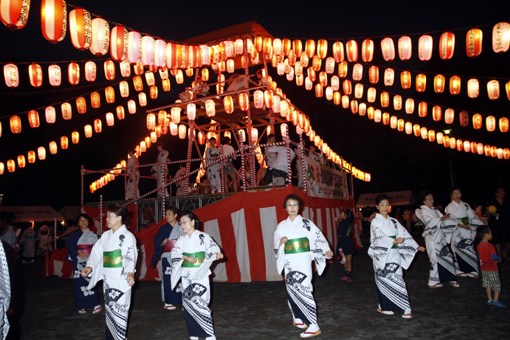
55	76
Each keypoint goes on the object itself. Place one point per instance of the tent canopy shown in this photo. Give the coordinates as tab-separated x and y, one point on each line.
396	198
33	214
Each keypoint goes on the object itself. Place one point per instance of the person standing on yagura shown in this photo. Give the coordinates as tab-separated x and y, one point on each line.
392	249
297	242
164	242
113	260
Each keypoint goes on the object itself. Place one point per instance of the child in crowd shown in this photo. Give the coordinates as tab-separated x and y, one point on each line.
489	263
345	244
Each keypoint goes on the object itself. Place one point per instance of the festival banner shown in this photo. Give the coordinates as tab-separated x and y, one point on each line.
324	181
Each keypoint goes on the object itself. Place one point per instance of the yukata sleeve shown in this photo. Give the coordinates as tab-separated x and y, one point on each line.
72	249
407	249
129	255
380	243
211	249
95	261
279	250
318	246
176	259
432	224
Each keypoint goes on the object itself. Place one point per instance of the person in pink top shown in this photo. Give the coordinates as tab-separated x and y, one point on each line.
489	260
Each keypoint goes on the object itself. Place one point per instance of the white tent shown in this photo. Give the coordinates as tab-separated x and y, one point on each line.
396	198
33	214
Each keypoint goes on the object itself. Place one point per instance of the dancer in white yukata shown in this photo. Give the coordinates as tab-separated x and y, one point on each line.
297	242
466	221
192	256
133	176
442	268
113	260
158	168
79	246
5	290
391	249
213	171
164	242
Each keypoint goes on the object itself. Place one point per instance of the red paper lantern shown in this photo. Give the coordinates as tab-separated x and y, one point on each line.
501	37
439	81
446	45
422	109
33	119
436	113
421	82
35	75
54	20
405	49
357	72
31	156
416	130
473	88
138	83
109	70
473	146
323	79
371	94
100	37
503	124
109	94
21	161
228	104
50	114
389	77
337	98
119	43
449	116
342	69
358	91
147	50
244	101
490	123
367	50
464	118
506	153
474	39
81	105
338	51
425	47
354	106
352	51
124	89
459	144
160	51
131	106
493	89
393	122
347	87
14	13
397	102
121	114
15	124
345	102
424	133
477	121
80	28
309	48
67	112
322	48
151	121
405	80
455	85
319	92
98	126
487	150
90	71
385	99
11	165
370	113
73	72
64	142
388	49
75	137
386	118
377	116
153	92
432	136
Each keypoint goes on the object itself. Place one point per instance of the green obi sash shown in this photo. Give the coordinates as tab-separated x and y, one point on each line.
297	245
464	220
112	259
200	256
394	246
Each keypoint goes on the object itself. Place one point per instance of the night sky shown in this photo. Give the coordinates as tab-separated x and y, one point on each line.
396	161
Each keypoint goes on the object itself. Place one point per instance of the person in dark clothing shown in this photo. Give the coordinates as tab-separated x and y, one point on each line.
498	212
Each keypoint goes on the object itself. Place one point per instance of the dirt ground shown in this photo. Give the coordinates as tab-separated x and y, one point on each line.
44	308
